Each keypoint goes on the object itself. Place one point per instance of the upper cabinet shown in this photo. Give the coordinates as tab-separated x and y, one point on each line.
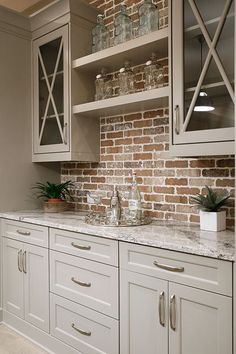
203	51
61	34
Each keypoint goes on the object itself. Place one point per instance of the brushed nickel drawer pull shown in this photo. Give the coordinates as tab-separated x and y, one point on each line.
176	122
162	309
19	260
24	233
81	283
24	262
85	333
81	247
167	267
172	313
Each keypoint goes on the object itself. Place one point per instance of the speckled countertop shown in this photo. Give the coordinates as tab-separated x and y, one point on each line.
162	234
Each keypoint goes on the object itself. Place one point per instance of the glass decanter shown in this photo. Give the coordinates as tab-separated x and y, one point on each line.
123	26
100	35
126	79
148	18
153	73
103	86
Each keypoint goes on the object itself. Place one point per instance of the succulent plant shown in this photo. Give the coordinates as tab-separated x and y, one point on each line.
210	202
53	191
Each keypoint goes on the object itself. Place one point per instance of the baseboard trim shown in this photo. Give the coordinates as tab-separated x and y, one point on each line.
36	336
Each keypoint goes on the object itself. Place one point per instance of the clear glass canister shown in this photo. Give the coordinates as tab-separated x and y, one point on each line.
153	73
123	26
126	80
103	86
148	18
100	35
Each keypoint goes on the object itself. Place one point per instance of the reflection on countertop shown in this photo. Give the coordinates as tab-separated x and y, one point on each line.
169	235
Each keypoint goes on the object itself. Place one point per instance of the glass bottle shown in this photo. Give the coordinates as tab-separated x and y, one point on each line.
123	26
153	73
126	79
148	17
100	35
103	86
134	200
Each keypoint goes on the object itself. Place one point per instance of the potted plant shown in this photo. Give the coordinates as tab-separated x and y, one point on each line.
211	217
55	195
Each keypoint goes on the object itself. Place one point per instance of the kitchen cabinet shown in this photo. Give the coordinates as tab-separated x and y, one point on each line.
59	36
26	282
164	316
203	44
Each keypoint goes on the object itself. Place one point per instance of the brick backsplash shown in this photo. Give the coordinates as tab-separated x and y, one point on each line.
139	142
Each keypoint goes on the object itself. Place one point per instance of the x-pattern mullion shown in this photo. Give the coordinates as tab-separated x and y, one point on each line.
50	92
211	53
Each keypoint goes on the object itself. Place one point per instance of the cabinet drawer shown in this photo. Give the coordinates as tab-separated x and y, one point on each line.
87	282
196	271
86	330
86	246
22	231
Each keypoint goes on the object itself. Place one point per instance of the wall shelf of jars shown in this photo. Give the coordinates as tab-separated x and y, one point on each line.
135	50
135	102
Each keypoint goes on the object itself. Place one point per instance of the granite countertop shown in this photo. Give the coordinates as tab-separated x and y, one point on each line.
168	235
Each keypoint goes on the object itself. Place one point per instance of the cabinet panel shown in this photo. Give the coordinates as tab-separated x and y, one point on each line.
13	291
142	310
36	284
203	322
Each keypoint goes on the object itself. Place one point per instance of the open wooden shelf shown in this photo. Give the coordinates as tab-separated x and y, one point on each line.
137	50
135	102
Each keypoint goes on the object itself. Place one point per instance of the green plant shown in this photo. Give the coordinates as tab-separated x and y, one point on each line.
210	202
53	191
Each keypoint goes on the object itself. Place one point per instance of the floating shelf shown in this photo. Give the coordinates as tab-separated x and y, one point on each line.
135	102
137	50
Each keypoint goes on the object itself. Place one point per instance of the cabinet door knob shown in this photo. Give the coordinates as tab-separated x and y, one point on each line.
19	260
24	262
81	247
24	233
173	313
168	267
176	120
162	309
81	331
81	283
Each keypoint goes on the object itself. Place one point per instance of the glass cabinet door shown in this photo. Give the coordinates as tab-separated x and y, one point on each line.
51	92
203	45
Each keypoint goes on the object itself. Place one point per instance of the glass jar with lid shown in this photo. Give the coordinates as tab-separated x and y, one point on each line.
153	73
126	79
123	26
103	86
148	18
100	35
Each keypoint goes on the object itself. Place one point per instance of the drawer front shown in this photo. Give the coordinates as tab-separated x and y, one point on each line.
22	231
196	271
86	330
89	283
86	246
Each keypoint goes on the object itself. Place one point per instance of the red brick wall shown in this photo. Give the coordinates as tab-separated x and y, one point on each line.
139	142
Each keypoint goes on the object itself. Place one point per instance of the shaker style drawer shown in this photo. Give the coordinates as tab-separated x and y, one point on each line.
25	232
86	330
91	247
196	271
86	282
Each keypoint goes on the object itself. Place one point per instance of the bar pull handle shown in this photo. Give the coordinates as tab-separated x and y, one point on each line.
162	309
81	283
81	331
168	267
65	133
19	260
173	313
176	120
24	262
24	233
81	247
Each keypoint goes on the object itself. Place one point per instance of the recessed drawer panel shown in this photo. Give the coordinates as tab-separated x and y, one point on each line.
89	283
22	231
196	271
86	330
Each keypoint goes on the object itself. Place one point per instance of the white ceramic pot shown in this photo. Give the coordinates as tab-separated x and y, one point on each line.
213	221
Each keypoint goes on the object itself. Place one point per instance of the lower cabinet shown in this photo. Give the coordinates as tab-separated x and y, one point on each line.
26	282
157	315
